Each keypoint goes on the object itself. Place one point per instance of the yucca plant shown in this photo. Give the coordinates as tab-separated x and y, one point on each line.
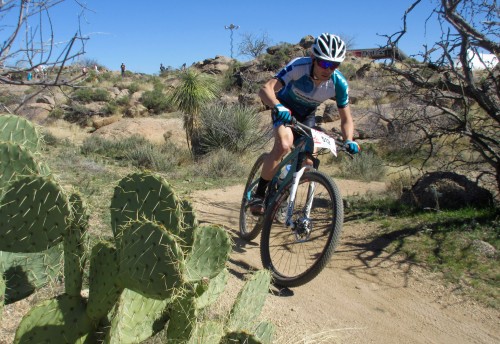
194	90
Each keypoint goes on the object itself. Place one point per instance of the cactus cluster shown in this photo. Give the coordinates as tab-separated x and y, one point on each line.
161	269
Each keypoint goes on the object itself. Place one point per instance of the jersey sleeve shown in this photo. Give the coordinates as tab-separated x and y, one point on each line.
289	72
341	89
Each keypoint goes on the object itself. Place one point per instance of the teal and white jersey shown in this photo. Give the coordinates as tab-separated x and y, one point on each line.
299	92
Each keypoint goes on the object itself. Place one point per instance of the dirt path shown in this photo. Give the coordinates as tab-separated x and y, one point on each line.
364	296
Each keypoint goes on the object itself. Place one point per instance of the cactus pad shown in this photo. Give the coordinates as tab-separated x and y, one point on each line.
209	332
150	259
19	130
250	301
75	242
33	215
60	320
215	288
2	294
209	254
103	280
142	195
26	272
135	318
17	161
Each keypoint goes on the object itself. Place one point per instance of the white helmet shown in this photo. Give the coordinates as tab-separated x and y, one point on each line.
329	47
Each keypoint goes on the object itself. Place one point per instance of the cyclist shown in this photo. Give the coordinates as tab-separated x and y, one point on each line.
298	89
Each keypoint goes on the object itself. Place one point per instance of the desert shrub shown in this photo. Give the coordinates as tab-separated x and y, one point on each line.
123	101
348	70
399	183
134	87
49	139
156	100
110	108
78	113
220	163
9	99
57	112
87	95
135	150
280	57
235	128
366	166
229	79
153	157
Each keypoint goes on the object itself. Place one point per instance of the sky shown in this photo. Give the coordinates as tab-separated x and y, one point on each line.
143	34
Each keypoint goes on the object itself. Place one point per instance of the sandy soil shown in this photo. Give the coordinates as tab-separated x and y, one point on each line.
364	296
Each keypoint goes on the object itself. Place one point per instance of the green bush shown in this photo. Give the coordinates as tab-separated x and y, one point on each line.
235	128
123	101
88	95
134	87
156	101
279	59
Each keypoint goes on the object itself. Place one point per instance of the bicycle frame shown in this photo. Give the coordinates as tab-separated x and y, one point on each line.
294	158
309	138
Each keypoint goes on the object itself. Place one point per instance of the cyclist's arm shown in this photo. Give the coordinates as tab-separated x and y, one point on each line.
346	123
268	92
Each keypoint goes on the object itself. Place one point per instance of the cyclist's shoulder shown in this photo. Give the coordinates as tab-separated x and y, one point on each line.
339	79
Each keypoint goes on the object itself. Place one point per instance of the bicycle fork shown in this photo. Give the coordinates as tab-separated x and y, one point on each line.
293	193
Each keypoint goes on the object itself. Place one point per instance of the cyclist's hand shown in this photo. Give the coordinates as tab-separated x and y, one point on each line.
352	147
281	115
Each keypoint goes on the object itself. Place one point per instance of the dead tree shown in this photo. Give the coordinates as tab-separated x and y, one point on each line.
455	112
29	45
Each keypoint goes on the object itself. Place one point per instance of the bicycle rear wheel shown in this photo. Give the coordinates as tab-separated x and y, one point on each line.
296	256
250	225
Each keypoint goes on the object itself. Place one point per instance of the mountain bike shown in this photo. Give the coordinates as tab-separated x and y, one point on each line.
304	212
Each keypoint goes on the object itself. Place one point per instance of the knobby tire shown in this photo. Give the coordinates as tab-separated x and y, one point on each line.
293	263
250	225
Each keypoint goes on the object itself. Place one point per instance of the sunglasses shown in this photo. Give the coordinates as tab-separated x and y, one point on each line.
327	64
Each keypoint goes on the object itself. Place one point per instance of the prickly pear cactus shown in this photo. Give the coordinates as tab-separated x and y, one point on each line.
59	320
249	302
103	280
26	272
75	243
209	332
2	294
143	195
135	318
19	130
33	215
150	260
17	161
209	254
190	223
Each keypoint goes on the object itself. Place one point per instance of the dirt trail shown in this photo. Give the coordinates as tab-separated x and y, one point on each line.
364	296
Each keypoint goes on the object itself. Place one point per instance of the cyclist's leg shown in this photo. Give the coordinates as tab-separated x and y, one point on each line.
283	141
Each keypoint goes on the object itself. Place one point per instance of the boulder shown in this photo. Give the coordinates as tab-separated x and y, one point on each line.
446	190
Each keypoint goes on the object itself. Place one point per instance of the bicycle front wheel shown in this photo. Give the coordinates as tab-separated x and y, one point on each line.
296	254
250	225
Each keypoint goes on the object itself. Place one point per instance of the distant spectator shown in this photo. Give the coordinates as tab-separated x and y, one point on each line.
183	66
122	67
96	69
29	76
84	70
162	68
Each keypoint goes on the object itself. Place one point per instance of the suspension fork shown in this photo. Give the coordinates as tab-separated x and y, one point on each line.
293	193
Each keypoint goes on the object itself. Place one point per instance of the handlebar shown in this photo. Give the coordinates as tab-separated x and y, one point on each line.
306	130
